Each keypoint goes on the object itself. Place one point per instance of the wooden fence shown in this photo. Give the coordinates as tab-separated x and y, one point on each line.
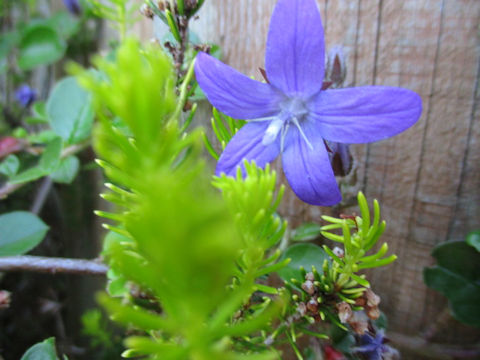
427	179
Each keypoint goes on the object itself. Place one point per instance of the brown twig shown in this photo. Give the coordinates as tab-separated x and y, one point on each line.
52	265
429	350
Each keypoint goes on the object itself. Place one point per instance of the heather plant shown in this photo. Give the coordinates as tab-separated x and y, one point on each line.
201	265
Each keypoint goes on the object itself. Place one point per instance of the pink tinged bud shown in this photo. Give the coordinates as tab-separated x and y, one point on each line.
4	299
309	276
358	322
372	298
339	252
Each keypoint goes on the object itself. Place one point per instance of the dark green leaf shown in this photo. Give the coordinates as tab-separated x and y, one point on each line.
457	276
21	231
42	351
70	112
473	239
40	45
304	255
67	170
306	232
9	166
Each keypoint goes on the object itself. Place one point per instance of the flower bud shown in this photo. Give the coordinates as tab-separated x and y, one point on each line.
146	11
344	312
308	287
312	306
339	252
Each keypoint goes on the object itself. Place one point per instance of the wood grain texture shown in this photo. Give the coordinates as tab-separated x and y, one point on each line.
426	179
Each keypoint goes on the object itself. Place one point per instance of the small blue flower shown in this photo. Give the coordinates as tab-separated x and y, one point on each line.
372	348
25	95
291	115
73	6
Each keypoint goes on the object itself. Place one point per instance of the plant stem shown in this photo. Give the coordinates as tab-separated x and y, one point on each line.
52	265
7	189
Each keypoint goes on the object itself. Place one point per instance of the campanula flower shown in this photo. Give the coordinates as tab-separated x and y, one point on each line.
25	95
374	347
73	6
291	115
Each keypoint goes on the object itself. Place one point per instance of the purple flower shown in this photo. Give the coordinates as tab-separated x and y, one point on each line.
372	348
73	6
25	95
291	115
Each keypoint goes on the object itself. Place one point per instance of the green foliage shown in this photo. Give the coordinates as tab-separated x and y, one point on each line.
9	166
67	170
69	111
21	231
181	242
42	351
224	128
40	45
48	163
303	256
356	245
473	239
119	12
457	276
306	232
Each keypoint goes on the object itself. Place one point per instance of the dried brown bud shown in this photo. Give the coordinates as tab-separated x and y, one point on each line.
302	309
161	5
312	306
344	312
372	298
358	322
308	287
360	301
310	276
373	312
146	11
4	299
336	70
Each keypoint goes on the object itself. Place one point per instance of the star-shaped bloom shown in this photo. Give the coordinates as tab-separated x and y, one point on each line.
374	348
291	115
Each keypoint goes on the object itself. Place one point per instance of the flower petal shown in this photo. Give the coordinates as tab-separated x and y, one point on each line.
295	53
308	170
247	144
234	93
365	114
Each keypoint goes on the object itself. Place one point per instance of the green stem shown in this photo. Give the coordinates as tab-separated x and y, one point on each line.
183	92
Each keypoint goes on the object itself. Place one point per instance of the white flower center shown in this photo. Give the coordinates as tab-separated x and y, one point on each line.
293	111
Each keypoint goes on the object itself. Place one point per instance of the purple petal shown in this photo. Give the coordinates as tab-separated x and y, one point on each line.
365	114
308	171
234	93
247	144
295	53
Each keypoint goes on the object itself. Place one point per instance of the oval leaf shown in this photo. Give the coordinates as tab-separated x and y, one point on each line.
42	351
306	232
21	231
457	276
40	45
304	255
473	239
69	110
67	170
